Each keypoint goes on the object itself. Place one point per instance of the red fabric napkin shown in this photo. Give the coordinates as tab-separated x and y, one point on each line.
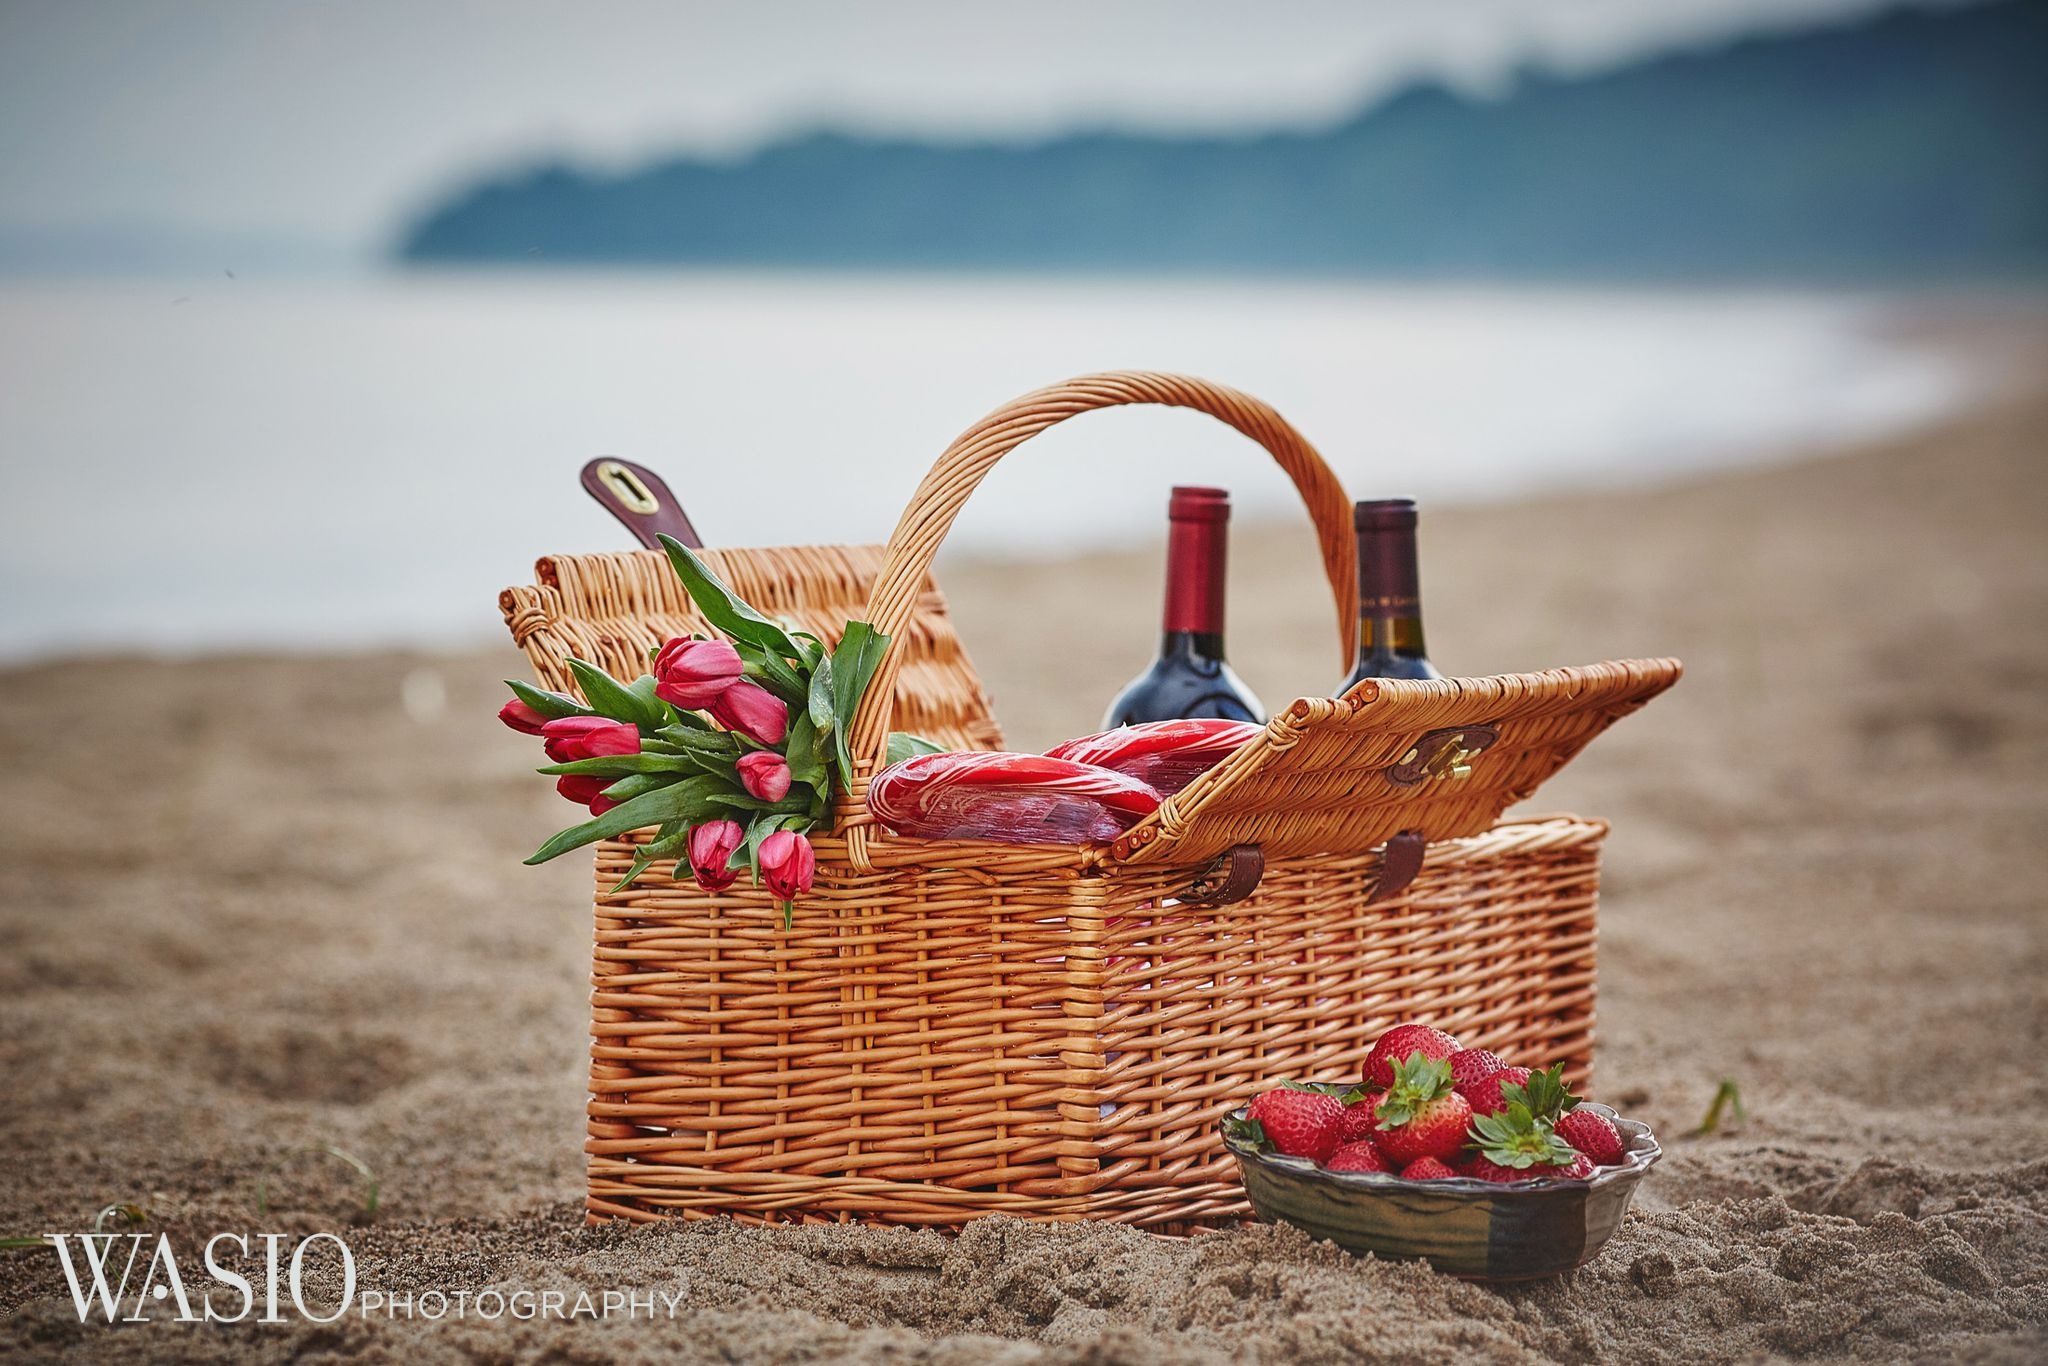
1167	754
1013	798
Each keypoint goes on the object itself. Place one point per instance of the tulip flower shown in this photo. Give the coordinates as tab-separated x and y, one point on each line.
753	711
711	846
691	674
788	863
586	792
588	737
764	774
521	717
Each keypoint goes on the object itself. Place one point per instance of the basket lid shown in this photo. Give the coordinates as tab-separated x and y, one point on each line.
1443	757
612	609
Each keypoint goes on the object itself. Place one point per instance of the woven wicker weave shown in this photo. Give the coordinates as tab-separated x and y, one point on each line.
957	1028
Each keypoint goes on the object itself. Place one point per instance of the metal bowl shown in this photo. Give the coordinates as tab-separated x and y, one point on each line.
1477	1230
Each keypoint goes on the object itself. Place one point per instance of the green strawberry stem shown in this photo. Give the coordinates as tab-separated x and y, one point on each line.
1520	1139
1418	1080
1247	1131
1545	1093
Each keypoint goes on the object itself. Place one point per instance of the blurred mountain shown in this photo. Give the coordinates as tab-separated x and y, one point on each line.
1913	143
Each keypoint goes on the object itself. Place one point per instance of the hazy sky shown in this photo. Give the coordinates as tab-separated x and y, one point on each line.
331	119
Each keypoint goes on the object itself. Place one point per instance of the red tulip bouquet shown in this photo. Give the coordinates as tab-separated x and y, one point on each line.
733	748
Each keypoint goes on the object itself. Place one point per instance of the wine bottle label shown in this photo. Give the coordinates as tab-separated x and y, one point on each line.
1387	582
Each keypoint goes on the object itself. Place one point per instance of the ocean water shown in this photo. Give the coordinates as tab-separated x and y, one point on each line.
236	463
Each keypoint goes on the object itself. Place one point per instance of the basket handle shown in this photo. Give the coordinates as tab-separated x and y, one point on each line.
975	452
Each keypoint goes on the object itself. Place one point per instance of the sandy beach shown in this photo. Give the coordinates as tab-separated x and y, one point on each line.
256	904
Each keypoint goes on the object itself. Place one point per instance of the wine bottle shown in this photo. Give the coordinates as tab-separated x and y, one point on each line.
1389	594
1189	678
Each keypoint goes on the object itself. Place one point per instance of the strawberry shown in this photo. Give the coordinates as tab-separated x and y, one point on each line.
1359	1122
1427	1169
1515	1145
1578	1169
1298	1121
1593	1135
1420	1115
1552	1102
1473	1064
1401	1042
1357	1157
1485	1095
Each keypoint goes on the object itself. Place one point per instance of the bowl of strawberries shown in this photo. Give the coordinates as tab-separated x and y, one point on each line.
1446	1154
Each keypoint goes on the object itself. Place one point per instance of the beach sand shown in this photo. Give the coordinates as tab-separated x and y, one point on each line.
257	904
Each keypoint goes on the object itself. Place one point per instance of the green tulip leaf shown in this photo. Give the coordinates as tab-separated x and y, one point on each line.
903	745
721	608
609	697
715	744
853	666
687	800
806	764
552	705
820	700
775	674
793	804
620	765
643	688
678	719
637	785
668	843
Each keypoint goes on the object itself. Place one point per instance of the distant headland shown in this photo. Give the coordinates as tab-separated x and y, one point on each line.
1913	144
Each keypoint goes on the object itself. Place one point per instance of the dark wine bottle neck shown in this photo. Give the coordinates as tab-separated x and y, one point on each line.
1194	646
1190	677
1389	595
1195	576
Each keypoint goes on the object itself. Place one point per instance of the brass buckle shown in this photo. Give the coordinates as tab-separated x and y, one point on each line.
1441	754
633	495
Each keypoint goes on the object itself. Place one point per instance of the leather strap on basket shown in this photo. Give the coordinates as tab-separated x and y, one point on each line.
637	496
1400	861
1237	874
1234	877
974	453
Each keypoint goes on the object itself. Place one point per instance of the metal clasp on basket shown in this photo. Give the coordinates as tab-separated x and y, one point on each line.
625	486
1445	753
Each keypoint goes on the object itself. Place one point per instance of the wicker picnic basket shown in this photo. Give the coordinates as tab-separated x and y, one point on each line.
958	1028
